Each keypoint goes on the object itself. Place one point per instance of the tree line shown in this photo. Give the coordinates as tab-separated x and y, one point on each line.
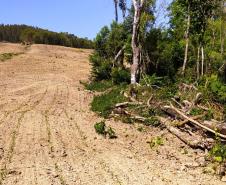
192	46
30	34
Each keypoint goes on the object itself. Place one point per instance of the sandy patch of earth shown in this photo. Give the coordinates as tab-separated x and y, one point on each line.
47	135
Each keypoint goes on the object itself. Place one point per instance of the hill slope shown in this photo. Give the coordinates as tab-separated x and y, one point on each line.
47	135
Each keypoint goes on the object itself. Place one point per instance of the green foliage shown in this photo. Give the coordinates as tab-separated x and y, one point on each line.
151	80
196	111
108	42
101	68
100	128
152	121
120	76
167	92
209	115
157	141
217	89
98	86
29	34
103	104
218	152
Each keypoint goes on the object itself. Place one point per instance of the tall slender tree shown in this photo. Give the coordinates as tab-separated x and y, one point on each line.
116	10
187	37
138	9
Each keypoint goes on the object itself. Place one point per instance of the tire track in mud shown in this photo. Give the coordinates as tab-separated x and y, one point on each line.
51	147
34	151
83	145
21	106
18	108
4	171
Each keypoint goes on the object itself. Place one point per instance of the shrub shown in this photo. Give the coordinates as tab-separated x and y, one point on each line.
103	104
101	68
151	80
217	89
157	141
218	152
98	86
100	128
120	76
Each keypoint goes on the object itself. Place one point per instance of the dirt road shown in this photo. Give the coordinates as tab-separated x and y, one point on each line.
47	135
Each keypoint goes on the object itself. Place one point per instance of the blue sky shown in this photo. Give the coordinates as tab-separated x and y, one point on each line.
80	17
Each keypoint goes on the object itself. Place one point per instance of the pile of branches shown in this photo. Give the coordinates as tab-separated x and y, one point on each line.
194	131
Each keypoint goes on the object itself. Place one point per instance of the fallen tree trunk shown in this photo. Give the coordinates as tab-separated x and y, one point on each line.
172	108
220	127
194	118
125	104
192	142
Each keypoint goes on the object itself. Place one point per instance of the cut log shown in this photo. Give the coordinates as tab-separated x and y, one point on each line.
195	122
192	142
187	121
125	104
168	110
220	127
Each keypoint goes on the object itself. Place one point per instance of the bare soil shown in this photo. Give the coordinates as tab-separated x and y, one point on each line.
47	134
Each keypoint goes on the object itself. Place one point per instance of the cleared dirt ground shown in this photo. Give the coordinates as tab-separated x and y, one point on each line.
47	135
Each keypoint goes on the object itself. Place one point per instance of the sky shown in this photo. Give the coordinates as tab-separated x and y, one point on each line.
83	18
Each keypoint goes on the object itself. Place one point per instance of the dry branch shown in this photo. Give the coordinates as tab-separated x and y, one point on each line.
194	121
192	142
194	118
119	53
125	104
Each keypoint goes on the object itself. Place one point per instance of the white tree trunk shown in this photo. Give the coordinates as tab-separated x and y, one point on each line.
198	62
187	43
138	6
203	59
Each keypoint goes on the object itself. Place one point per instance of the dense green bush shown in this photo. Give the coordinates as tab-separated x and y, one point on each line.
218	152
98	86
120	75
217	88
101	68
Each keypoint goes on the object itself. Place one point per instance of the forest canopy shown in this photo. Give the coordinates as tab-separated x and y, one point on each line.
30	34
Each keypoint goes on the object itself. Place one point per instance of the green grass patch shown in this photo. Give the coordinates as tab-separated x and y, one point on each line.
103	104
98	86
8	56
196	112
